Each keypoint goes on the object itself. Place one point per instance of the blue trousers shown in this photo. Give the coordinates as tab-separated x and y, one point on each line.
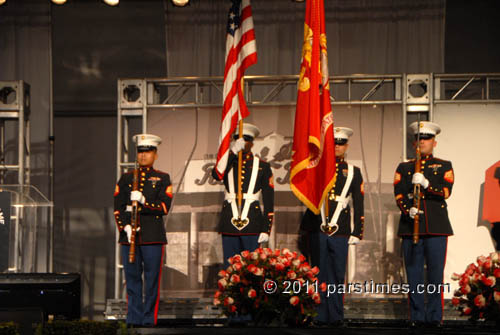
235	244
430	250
331	253
148	259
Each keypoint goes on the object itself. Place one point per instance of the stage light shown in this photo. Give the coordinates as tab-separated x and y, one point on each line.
2	2
180	3
112	2
59	2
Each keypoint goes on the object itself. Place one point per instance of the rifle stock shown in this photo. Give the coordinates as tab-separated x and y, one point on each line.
133	219
416	197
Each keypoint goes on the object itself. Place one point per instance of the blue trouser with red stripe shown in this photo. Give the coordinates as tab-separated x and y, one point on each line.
430	250
331	254
148	259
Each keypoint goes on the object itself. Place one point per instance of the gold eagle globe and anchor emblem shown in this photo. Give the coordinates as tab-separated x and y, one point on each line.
239	223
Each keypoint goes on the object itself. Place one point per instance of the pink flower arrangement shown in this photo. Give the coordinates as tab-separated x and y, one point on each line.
271	285
478	295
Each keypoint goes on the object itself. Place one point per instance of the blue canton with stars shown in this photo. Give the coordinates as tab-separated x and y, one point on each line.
234	19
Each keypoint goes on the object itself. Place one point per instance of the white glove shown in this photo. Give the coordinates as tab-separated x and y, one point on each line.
137	196
414	211
128	230
419	178
238	145
353	240
263	237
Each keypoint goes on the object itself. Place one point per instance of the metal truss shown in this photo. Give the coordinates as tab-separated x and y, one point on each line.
417	94
15	109
182	92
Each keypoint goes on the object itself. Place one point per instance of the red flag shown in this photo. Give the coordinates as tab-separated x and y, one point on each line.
491	210
313	159
241	53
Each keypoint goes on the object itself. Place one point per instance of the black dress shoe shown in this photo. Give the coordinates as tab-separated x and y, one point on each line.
237	324
338	324
133	325
416	324
434	324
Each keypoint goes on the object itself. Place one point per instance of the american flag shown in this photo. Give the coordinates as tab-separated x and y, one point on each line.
241	53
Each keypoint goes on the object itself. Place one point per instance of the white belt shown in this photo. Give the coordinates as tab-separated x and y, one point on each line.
332	226
241	221
343	201
247	196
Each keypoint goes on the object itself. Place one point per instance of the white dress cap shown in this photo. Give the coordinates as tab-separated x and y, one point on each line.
249	130
342	133
147	140
426	127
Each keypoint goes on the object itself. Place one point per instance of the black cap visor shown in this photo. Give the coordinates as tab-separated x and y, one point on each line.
340	141
247	138
145	148
424	136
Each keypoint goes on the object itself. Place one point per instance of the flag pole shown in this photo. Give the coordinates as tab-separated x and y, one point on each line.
240	163
240	157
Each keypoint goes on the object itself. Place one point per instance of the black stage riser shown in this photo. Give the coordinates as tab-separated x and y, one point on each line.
54	295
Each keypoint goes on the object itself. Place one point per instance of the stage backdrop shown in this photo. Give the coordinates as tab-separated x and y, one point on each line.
194	253
470	140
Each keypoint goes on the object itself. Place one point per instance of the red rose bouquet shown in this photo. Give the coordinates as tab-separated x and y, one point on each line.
270	285
479	293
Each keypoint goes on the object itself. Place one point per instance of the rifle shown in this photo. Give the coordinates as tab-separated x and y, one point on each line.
134	218
416	188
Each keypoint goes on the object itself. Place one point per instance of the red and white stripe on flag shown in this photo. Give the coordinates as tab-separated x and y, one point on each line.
241	52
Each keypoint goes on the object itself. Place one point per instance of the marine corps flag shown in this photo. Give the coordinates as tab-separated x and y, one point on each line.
313	158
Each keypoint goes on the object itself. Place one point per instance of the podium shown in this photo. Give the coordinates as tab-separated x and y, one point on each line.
25	229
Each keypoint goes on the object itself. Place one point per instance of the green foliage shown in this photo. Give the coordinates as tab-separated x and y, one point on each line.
80	327
9	328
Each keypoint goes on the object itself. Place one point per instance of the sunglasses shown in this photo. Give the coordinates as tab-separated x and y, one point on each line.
247	138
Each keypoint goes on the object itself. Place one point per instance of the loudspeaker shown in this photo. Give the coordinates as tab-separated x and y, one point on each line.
56	295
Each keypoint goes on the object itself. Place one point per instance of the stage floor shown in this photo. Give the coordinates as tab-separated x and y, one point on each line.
203	311
362	316
352	327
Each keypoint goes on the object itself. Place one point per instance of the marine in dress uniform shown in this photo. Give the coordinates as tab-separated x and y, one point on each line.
331	234
154	196
436	180
244	229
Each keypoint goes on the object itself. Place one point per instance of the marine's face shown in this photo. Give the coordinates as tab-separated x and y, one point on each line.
147	158
426	145
340	149
248	146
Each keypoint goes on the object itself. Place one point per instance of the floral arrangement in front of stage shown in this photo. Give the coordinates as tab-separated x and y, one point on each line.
271	286
479	293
